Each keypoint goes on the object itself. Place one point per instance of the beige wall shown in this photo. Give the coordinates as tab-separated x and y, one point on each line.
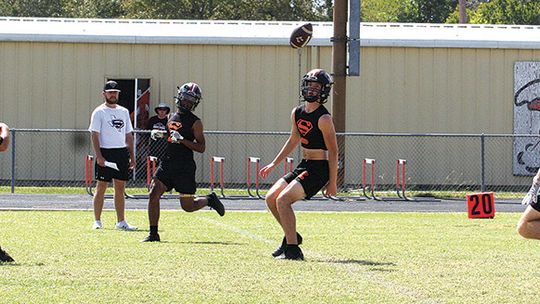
57	85
429	90
425	90
253	88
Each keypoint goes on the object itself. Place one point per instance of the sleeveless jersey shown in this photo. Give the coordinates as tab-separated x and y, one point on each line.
182	122
307	125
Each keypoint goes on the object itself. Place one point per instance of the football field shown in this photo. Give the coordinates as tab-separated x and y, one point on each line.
351	257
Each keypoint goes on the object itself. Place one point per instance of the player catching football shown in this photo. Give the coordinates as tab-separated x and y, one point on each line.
4	144
177	168
312	126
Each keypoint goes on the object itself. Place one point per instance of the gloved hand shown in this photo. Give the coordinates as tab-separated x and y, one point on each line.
157	134
175	137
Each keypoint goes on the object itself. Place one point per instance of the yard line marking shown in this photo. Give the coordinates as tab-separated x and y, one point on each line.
394	287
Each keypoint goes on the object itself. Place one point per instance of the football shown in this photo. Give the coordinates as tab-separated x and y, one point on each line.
301	36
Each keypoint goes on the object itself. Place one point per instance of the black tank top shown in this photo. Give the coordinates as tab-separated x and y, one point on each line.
307	125
183	123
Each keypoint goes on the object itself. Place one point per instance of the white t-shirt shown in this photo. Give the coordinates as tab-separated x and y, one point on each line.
112	124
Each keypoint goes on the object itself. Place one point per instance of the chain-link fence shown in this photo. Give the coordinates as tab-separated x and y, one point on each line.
434	162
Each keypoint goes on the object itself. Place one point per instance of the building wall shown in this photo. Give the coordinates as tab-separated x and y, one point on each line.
253	88
57	85
429	90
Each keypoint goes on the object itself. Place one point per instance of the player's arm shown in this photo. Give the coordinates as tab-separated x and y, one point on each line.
199	144
288	147
4	137
131	149
95	144
326	125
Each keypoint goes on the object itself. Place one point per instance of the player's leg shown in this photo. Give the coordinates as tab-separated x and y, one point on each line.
271	197
290	195
191	203
98	201
120	204
157	188
119	199
529	224
185	184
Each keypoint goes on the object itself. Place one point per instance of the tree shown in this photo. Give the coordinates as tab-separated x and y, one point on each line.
427	11
381	10
31	8
507	12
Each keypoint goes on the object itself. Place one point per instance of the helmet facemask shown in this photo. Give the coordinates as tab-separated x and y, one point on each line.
311	94
188	96
187	101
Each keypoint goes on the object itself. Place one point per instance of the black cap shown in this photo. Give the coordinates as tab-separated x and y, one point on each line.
111	86
163	106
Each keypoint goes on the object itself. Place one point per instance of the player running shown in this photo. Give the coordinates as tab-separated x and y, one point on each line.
177	168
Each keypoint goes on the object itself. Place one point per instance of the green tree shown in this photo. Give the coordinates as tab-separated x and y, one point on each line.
507	12
31	8
381	10
92	8
427	11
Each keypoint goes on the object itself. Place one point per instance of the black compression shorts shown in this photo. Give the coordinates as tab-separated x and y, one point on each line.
313	175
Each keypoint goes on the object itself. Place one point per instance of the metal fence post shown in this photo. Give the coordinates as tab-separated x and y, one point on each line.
12	161
483	156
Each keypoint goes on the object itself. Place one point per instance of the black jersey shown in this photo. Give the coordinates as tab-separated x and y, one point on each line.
182	122
308	127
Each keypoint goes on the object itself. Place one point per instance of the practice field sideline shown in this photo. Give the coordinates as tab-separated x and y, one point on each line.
84	202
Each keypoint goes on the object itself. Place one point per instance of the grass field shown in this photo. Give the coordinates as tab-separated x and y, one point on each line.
350	258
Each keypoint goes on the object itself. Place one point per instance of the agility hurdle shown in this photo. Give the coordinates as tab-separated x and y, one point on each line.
365	163
213	161
255	160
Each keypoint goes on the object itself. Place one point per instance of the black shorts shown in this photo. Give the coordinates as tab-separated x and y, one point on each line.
536	206
313	175
120	156
180	177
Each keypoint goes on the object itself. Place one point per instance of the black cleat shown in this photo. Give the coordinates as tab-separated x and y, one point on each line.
152	238
215	203
281	249
292	252
5	257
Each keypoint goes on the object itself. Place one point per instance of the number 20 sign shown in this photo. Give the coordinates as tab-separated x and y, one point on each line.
481	205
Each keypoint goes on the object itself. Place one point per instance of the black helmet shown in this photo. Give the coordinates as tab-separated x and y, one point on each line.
163	106
188	96
320	76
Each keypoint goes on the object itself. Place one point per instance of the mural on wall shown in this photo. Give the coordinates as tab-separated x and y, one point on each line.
526	117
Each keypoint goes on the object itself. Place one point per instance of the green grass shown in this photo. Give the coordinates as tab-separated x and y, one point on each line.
350	258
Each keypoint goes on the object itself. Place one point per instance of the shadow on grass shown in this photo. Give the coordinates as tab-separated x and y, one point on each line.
375	266
212	243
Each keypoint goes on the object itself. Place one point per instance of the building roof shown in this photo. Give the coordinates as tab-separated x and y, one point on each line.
263	33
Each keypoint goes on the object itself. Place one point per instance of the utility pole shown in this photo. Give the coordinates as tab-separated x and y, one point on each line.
339	59
462	12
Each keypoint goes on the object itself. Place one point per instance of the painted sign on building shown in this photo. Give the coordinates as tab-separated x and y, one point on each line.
526	117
